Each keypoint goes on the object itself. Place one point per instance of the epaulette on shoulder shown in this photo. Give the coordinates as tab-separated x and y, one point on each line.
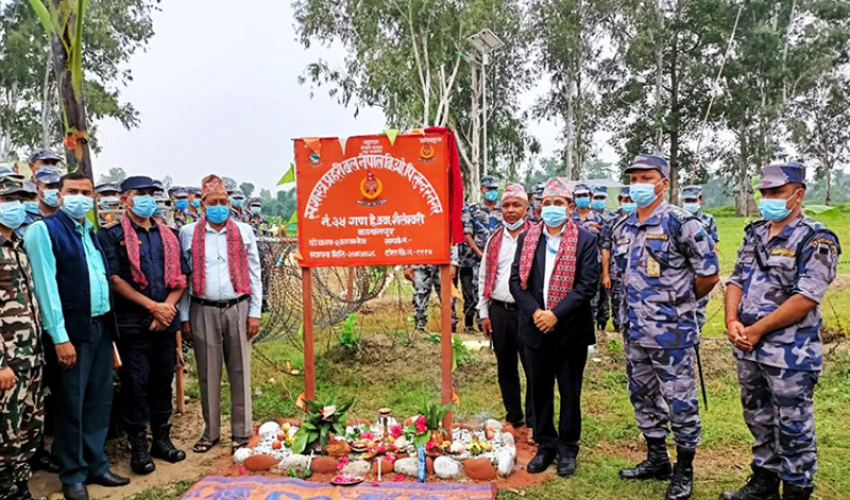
754	224
680	214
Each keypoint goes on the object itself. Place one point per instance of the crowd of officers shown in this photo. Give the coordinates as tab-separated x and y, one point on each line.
75	303
653	269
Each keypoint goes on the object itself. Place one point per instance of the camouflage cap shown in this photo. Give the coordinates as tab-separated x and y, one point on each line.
691	192
11	183
779	174
537	190
44	155
624	192
255	202
48	175
29	187
650	162
581	190
600	191
236	193
488	181
177	191
107	188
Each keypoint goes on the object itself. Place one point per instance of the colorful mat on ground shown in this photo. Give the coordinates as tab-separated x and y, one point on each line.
263	488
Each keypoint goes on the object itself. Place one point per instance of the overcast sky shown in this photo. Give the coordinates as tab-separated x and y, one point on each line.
217	91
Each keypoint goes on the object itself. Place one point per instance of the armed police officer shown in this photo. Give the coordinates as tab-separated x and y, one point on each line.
480	221
692	202
784	266
664	261
585	216
609	281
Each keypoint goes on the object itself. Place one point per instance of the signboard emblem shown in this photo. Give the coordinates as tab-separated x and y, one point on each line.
426	153
371	188
315	159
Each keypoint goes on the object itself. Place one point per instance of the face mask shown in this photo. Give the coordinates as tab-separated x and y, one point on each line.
643	194
217	214
108	201
196	203
237	202
492	195
599	205
32	207
51	197
12	214
144	206
774	210
513	227
77	205
691	207
583	202
629	207
181	204
256	210
554	216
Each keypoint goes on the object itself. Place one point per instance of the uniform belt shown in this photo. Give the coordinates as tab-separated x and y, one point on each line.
510	306
221	304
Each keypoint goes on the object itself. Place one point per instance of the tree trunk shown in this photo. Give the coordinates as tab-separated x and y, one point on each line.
76	131
659	81
674	119
827	166
743	184
569	130
475	137
46	101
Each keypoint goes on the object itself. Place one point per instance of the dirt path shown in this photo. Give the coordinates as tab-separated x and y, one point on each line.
187	429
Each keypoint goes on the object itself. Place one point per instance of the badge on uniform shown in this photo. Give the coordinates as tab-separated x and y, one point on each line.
653	268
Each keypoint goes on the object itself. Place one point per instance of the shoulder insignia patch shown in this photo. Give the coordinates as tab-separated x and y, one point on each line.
783	252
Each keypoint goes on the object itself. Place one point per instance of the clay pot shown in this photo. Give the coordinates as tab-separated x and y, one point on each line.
386	467
479	469
323	465
429	466
260	462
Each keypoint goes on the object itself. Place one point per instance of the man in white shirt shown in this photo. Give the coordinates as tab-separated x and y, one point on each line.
222	310
497	308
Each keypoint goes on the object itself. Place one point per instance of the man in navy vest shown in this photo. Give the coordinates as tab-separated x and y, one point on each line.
70	275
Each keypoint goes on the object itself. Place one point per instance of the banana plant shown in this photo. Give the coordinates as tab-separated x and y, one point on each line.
63	24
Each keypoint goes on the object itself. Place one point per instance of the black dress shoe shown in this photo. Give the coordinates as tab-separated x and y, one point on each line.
45	462
566	466
76	491
109	480
541	461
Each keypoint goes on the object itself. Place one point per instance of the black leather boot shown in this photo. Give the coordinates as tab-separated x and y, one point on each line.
656	465
791	491
140	457
762	485
682	485
162	446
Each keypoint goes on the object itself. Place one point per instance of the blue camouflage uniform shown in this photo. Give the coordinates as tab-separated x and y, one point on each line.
655	264
690	202
594	222
607	245
779	375
609	218
31	207
481	222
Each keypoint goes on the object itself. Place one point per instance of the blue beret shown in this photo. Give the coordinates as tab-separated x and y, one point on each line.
780	174
137	182
650	162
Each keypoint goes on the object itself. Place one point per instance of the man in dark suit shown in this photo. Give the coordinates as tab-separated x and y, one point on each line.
554	276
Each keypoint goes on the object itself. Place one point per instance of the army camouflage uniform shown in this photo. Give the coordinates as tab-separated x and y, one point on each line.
481	222
779	375
21	408
603	312
425	278
606	242
654	264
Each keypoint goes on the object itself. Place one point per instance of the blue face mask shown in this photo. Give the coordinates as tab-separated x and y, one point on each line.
554	216
691	207
12	214
256	210
599	205
629	207
513	227
144	206
237	202
51	197
77	205
491	195
217	214
583	201
642	194
181	204
109	201
774	210
196	203
32	207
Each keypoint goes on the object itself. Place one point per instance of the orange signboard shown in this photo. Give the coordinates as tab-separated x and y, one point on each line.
373	201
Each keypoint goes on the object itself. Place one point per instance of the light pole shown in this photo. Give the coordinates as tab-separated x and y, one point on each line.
485	42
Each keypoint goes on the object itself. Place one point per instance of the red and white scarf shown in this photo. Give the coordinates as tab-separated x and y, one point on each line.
174	278
491	263
237	258
564	271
